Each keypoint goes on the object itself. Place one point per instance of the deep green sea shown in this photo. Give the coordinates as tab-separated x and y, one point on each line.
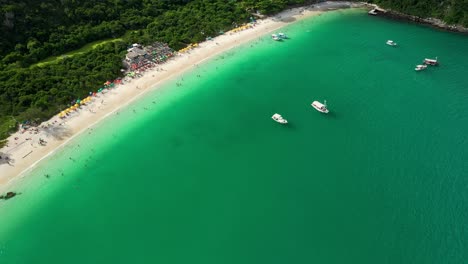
200	173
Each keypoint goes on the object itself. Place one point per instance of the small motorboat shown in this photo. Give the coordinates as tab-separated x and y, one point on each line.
320	107
432	62
420	67
391	43
278	118
282	36
373	12
275	37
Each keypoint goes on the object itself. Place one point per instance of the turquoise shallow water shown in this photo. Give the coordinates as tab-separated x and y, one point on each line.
205	176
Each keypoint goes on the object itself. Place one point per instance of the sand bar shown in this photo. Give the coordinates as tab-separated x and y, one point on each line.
24	151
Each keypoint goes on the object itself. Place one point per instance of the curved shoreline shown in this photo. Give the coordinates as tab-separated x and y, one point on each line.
129	92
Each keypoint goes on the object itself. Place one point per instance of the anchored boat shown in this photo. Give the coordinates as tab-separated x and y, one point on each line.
320	107
391	43
275	37
373	12
278	118
420	67
432	62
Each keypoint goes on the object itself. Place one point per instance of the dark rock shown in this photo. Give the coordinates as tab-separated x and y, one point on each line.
10	195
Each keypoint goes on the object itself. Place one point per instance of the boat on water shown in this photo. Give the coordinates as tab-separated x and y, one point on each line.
373	12
391	43
320	107
278	118
275	37
420	67
282	36
432	62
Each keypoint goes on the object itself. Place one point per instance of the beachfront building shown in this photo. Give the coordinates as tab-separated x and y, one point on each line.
135	52
143	57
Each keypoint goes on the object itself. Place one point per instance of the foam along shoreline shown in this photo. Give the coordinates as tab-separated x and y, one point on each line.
24	151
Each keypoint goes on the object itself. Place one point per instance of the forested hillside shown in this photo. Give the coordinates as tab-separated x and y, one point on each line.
34	30
450	11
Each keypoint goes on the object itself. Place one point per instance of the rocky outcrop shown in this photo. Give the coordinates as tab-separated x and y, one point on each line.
8	195
434	22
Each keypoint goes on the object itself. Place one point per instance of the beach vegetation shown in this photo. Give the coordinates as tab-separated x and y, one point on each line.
8	125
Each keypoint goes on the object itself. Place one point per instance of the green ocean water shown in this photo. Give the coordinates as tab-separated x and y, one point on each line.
201	174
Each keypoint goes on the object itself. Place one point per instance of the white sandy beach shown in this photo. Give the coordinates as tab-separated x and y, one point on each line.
24	150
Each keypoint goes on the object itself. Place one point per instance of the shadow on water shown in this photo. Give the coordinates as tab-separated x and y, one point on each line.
333	115
288	126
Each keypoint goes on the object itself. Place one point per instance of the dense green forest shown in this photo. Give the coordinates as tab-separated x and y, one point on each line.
450	11
32	31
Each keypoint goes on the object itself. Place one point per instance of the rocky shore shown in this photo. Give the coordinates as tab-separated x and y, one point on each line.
434	22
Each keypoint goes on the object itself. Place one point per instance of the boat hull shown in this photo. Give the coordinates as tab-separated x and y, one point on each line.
320	107
431	62
279	119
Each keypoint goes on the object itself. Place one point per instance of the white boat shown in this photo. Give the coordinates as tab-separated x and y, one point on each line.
320	107
373	12
275	37
278	118
391	43
282	36
420	67
432	62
